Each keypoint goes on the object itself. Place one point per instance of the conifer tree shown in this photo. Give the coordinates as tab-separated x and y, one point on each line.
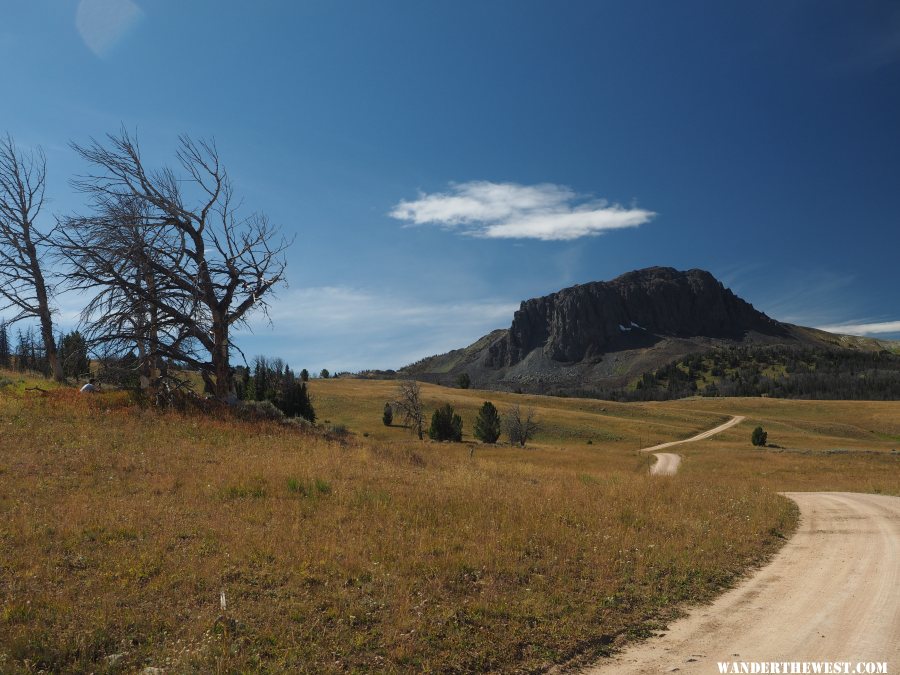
445	425
487	424
4	346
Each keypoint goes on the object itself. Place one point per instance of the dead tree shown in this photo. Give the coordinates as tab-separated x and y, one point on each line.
520	426
409	405
107	255
23	286
210	267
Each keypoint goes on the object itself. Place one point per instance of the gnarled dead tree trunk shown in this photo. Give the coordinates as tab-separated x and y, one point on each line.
23	285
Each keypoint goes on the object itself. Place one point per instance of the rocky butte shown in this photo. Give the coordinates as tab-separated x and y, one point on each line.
610	332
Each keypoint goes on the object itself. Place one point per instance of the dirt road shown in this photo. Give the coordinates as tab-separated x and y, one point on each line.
667	463
831	594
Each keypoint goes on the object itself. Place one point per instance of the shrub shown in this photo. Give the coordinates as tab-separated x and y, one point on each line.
260	410
487	424
758	437
338	429
388	415
463	381
445	425
324	374
298	423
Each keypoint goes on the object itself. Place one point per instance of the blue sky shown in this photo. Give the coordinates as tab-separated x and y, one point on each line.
439	162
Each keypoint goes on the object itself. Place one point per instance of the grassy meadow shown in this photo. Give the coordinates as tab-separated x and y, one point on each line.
812	445
370	551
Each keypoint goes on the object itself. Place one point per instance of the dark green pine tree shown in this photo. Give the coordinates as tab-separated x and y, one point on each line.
487	424
445	425
5	354
261	378
250	388
23	350
294	400
73	355
759	437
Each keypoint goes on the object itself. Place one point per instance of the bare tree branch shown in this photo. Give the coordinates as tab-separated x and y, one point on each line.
190	272
23	285
409	404
520	427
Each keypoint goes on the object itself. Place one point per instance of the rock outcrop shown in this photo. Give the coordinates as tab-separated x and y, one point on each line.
586	321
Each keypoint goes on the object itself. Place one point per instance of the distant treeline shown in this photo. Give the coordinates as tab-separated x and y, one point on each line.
777	371
29	353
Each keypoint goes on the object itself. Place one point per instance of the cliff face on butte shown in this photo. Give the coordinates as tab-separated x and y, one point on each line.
608	333
586	321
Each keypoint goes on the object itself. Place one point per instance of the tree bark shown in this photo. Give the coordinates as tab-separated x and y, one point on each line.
221	364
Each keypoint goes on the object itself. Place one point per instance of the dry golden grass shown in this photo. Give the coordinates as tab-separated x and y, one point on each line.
822	445
122	527
813	445
358	404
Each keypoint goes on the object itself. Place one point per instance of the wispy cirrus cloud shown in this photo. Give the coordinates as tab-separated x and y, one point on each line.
876	328
546	212
342	327
325	309
809	297
102	23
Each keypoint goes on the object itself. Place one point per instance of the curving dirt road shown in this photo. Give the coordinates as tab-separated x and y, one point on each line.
831	594
667	463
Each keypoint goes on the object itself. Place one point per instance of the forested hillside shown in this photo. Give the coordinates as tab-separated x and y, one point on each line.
778	371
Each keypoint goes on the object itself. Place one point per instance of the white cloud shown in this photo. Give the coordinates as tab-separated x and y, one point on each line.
102	23
511	211
344	328
328	308
877	328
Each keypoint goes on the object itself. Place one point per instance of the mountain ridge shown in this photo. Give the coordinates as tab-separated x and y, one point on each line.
608	333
